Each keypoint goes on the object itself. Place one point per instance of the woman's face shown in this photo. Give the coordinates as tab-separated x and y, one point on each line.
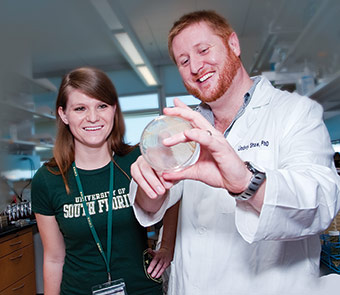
90	120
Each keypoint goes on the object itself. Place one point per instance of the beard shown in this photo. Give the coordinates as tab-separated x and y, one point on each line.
229	71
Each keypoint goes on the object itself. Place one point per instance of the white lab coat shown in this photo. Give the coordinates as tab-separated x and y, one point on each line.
227	248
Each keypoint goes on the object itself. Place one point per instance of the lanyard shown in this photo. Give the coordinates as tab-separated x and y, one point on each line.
89	220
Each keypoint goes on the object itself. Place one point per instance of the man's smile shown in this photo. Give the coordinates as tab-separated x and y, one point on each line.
205	77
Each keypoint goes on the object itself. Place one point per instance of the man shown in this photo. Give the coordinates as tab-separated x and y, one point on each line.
264	186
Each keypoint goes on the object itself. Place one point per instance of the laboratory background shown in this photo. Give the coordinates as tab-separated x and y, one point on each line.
295	44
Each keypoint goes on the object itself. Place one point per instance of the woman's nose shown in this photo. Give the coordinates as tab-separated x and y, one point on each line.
92	116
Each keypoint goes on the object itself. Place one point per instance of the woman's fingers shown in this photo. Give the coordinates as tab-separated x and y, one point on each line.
147	179
161	260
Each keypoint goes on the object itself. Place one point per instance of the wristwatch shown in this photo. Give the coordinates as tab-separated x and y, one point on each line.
256	180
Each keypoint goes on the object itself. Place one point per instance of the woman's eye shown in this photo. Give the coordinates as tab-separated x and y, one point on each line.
103	106
204	50
78	109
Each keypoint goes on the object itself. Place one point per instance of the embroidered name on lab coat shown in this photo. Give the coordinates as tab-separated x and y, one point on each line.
251	145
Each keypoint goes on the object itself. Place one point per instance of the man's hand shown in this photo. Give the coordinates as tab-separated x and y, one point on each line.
218	164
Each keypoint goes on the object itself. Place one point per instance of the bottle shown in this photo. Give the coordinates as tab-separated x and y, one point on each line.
307	80
9	213
3	220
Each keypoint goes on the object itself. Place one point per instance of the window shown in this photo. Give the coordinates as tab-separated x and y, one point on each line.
187	99
139	102
135	125
336	145
138	111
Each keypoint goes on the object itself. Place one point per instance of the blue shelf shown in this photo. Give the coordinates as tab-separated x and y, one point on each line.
330	254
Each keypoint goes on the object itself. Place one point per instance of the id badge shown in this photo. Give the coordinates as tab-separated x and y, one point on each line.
116	287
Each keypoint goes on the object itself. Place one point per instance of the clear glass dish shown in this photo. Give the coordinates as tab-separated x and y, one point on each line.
160	157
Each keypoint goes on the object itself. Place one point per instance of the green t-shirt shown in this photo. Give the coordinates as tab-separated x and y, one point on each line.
84	266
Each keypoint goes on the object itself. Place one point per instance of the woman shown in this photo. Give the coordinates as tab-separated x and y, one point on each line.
91	165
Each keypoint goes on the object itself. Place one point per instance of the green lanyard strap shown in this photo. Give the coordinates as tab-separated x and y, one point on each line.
106	258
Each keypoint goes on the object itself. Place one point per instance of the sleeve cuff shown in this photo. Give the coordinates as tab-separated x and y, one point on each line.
143	217
252	225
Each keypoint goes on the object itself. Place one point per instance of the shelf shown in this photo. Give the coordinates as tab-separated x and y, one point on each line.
26	142
326	89
322	51
21	119
13	146
17	83
9	108
330	254
311	40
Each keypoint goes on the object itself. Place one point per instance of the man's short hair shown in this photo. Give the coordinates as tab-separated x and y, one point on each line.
217	23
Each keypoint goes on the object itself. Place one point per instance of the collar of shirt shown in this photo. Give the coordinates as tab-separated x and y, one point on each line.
206	112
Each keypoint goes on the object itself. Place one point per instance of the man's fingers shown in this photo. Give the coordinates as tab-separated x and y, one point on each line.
179	103
176	138
203	137
195	118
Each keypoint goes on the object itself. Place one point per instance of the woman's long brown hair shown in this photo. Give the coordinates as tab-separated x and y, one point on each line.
96	84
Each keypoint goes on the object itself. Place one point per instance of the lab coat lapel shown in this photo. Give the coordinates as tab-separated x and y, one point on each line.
260	99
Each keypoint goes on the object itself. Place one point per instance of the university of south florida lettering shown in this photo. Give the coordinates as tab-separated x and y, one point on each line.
97	203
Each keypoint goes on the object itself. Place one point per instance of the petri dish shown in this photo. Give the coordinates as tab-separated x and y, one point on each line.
163	158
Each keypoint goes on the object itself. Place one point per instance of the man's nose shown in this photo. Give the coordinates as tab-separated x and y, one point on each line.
196	64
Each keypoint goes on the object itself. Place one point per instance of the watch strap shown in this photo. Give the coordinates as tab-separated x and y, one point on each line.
256	180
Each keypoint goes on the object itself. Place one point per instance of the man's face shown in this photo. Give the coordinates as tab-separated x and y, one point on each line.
207	65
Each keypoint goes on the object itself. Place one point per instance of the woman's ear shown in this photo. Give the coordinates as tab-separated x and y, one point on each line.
62	115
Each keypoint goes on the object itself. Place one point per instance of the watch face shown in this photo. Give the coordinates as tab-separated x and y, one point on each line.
250	167
161	157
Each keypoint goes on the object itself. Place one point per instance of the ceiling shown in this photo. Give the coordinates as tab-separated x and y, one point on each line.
47	38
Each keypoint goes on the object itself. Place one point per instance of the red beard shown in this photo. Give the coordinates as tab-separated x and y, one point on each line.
230	68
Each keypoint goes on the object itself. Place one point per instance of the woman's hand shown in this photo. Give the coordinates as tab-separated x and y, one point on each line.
152	188
151	182
161	260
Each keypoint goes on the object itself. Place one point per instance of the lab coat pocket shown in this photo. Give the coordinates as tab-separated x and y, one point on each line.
225	203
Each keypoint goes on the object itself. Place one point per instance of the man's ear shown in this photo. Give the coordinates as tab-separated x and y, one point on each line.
62	115
234	44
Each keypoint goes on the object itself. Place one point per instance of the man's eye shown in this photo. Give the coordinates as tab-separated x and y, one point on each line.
184	62
204	50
